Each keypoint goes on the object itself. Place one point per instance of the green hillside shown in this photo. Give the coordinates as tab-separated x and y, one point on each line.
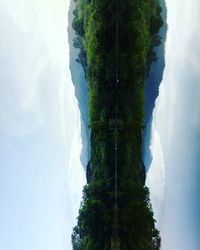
116	39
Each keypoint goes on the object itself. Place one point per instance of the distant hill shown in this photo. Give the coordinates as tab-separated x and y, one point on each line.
81	89
152	87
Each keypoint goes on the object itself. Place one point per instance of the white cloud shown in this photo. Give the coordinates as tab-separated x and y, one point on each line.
156	174
177	122
39	121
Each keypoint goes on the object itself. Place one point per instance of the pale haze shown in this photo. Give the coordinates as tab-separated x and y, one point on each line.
174	174
41	176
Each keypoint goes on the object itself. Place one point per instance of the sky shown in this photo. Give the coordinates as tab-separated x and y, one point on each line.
174	174
41	176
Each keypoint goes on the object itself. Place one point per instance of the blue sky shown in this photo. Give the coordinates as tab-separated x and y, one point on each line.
41	176
174	174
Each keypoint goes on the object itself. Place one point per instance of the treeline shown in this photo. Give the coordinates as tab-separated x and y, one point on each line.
116	39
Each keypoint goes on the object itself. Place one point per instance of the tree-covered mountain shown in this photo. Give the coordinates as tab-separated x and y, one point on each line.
116	40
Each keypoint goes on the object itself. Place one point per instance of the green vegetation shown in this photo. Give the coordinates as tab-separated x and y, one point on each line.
95	26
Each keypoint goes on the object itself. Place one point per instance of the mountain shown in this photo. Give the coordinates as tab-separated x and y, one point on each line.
116	40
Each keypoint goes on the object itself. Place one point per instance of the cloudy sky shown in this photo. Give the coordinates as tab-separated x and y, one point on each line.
175	171
40	139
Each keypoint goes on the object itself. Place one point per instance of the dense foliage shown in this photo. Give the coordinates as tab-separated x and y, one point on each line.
97	36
